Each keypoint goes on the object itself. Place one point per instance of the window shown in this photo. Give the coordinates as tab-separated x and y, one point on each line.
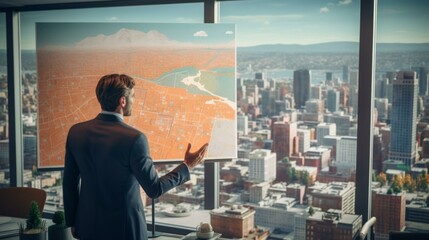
51	180
297	64
400	160
4	138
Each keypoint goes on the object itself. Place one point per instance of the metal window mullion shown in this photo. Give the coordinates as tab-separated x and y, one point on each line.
14	98
211	169
368	14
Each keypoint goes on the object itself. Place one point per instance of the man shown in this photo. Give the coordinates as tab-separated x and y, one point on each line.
106	162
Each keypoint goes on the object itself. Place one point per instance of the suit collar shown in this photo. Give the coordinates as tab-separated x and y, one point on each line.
109	117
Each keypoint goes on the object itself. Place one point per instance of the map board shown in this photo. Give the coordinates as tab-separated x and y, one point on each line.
185	84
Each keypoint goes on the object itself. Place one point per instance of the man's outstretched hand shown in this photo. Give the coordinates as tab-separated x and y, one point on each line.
192	159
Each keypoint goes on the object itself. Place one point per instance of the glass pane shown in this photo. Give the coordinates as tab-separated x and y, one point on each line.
297	64
51	180
4	137
400	181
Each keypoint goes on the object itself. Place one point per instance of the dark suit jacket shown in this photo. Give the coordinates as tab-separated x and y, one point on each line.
111	160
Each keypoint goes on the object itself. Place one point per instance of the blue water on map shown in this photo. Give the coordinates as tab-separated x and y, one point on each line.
217	81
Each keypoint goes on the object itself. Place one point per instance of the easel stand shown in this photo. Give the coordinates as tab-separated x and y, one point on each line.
153	234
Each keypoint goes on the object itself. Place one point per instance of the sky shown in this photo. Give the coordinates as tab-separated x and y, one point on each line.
134	34
260	21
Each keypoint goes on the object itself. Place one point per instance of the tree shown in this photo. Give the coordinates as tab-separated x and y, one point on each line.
294	176
285	159
311	211
305	178
397	183
382	178
423	182
409	183
289	173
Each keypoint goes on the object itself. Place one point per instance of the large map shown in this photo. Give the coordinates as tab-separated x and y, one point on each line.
185	84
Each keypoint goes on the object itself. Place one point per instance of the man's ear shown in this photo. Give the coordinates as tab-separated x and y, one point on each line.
122	101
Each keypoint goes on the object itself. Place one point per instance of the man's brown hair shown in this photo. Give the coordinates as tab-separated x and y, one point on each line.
111	88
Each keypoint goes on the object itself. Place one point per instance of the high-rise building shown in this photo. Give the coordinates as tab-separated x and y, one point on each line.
268	101
378	155
328	76
262	165
324	129
389	209
314	106
252	92
300	224
258	192
354	78
313	110
334	195
346	70
319	154
301	87
232	222
243	124
381	88
404	118
284	135
304	140
341	120
334	225
316	92
346	154
422	76
353	100
382	105
333	100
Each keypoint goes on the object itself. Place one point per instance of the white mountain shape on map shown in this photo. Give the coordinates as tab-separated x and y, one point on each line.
128	38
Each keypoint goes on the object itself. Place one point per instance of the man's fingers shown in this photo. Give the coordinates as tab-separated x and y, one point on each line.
189	148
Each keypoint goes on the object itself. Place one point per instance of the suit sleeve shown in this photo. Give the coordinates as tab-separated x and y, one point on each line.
143	169
70	187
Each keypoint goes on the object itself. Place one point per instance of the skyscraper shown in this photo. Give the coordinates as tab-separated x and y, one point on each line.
301	87
268	101
284	134
389	209
262	165
346	153
325	129
422	75
333	100
404	118
346	70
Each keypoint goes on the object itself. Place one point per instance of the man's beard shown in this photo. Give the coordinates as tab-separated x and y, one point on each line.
128	108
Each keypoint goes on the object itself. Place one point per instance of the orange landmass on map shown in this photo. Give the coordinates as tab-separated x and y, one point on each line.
170	117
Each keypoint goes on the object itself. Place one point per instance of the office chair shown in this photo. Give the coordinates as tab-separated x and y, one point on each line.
16	201
368	227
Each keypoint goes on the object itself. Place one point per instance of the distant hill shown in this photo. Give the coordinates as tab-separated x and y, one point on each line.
29	56
334	47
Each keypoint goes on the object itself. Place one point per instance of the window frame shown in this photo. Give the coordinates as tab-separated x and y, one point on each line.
368	15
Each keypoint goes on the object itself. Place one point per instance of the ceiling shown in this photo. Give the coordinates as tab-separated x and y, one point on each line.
26	3
4	4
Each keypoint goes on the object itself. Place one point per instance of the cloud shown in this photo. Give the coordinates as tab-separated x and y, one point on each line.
344	2
200	34
324	10
126	37
229	32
